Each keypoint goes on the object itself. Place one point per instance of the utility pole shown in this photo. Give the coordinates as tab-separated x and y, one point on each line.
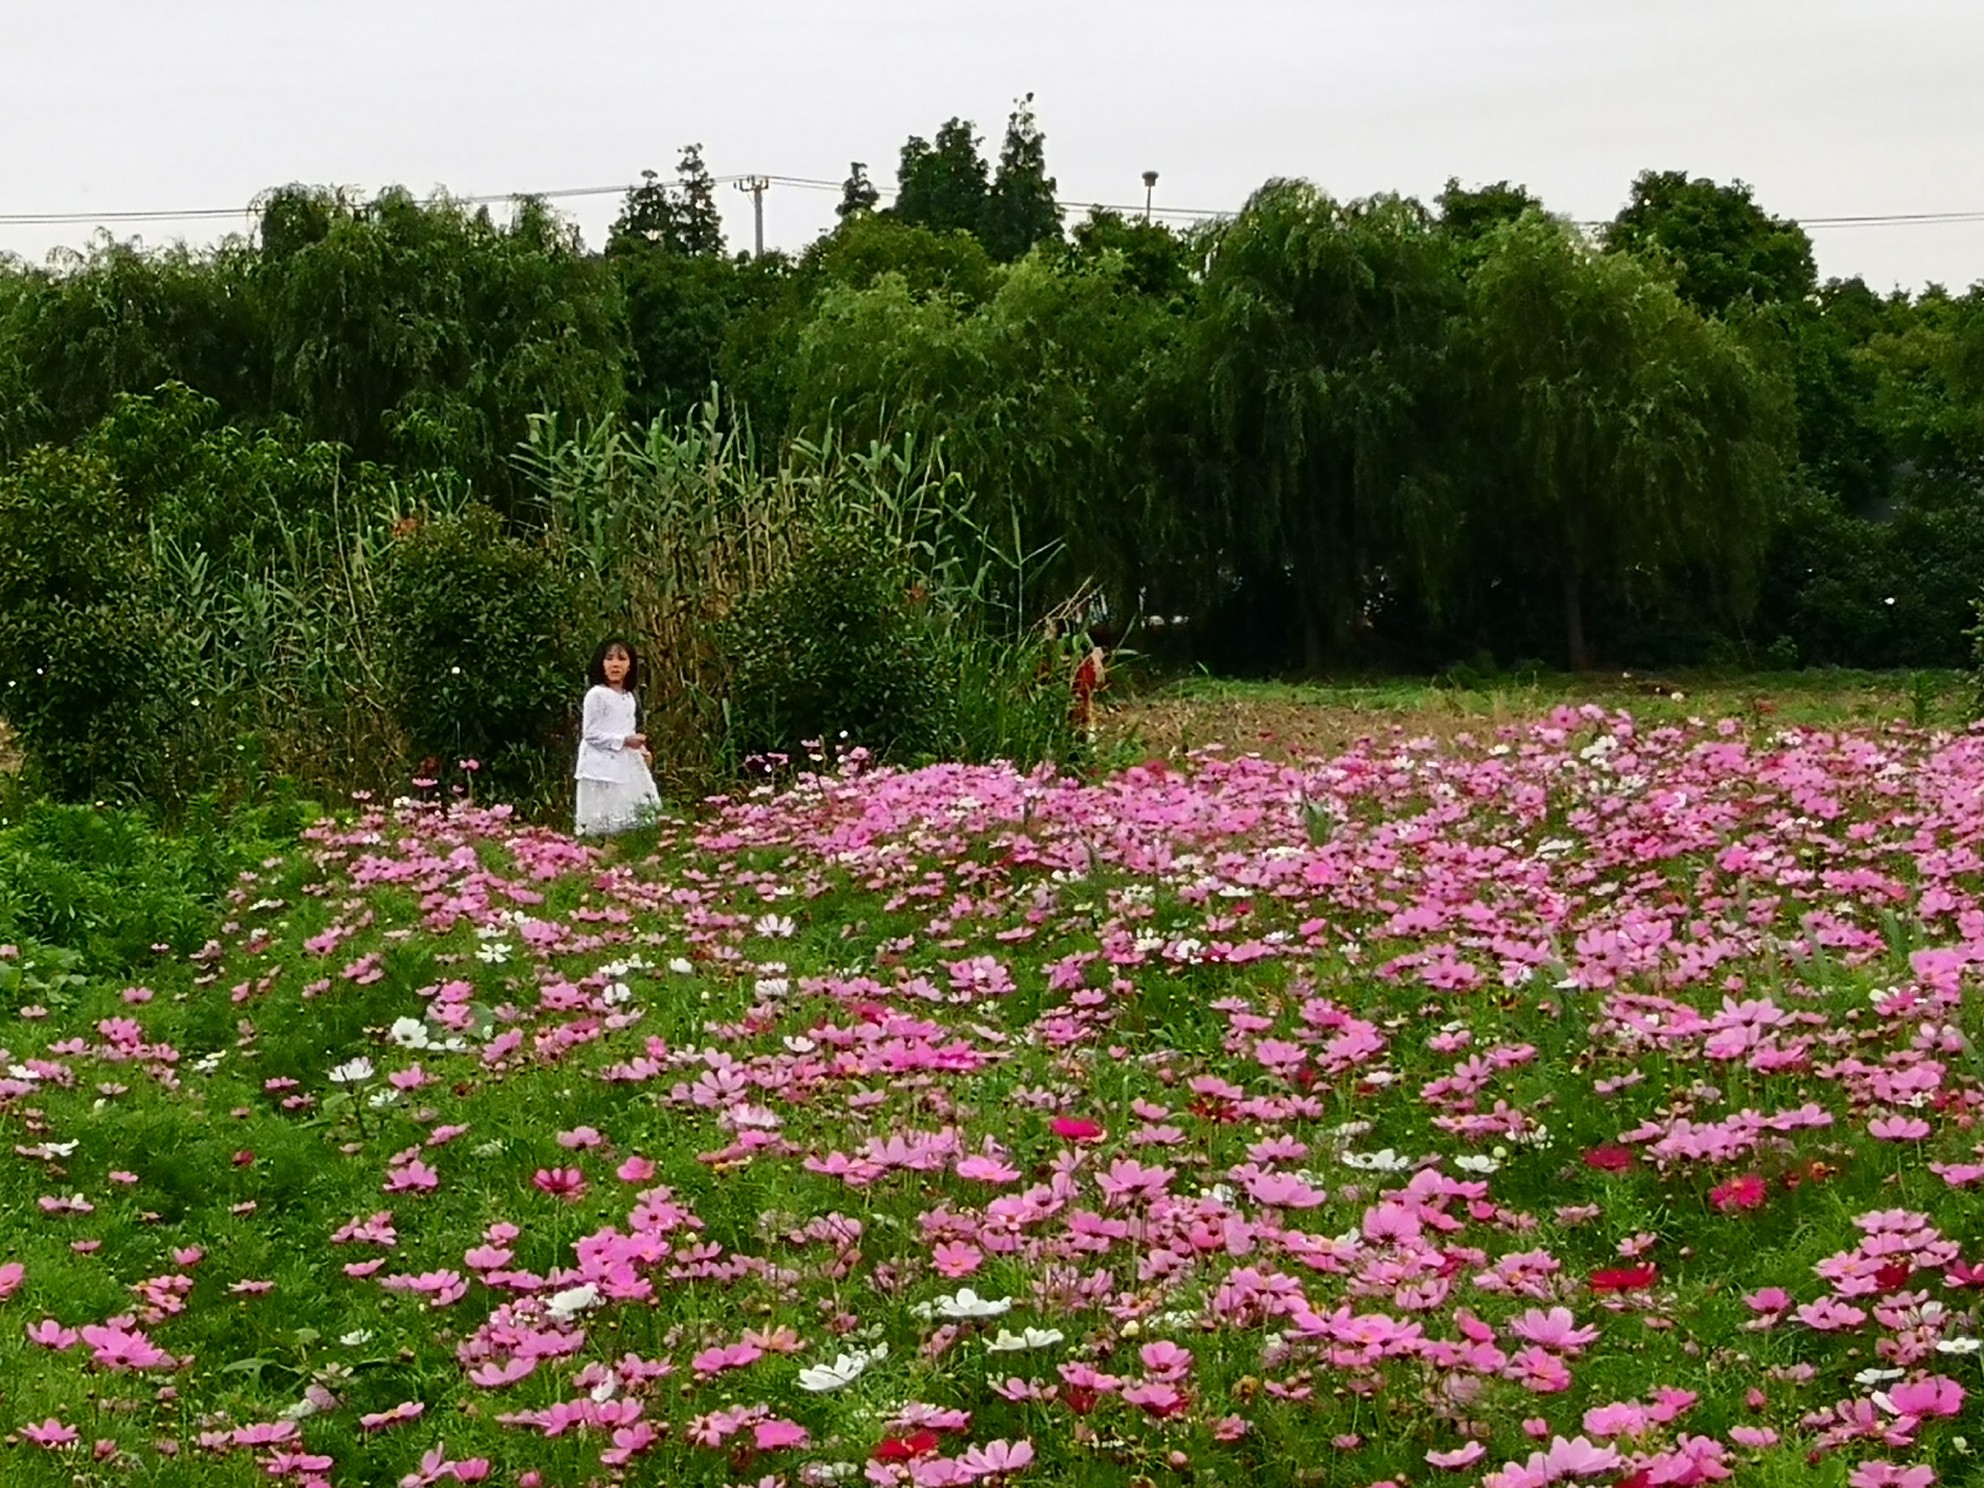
1150	188
757	186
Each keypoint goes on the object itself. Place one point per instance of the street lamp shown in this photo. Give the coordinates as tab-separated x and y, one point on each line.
1150	186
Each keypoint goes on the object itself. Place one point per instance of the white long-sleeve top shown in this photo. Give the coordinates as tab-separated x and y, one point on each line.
603	753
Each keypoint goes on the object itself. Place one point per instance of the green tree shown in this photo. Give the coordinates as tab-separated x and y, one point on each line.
1626	442
678	313
942	187
1045	401
680	218
1321	346
424	335
1152	254
1470	217
1726	252
85	649
1020	209
648	218
698	223
122	319
857	192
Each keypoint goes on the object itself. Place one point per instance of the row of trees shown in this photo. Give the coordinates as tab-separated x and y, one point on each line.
1324	432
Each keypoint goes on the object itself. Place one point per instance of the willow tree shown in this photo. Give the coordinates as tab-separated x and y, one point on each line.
1627	441
1322	345
1042	399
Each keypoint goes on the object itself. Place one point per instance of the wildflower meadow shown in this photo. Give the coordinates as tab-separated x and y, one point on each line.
1584	1101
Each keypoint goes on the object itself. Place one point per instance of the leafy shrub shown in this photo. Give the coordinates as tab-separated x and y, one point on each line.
107	887
481	651
844	643
1012	699
94	687
1893	593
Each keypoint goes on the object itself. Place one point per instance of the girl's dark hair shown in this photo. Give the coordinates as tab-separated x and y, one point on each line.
597	671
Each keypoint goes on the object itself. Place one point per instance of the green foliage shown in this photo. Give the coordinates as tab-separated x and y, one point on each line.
680	219
1726	252
483	659
92	682
857	192
1321	345
1636	441
843	648
104	892
1154	257
943	186
1020	209
124	320
425	335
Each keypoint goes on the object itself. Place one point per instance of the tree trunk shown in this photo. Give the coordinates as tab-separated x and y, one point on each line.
1578	649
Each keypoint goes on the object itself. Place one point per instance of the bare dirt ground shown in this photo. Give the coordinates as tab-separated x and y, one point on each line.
1296	721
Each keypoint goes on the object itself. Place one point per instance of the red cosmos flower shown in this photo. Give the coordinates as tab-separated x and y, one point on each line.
1624	1278
1075	1129
905	1449
1610	1157
1893	1276
1746	1192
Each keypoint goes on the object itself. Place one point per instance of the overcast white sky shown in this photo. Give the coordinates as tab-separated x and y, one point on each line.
1826	107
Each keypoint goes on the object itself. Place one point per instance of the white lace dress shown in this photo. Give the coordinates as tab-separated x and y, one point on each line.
615	789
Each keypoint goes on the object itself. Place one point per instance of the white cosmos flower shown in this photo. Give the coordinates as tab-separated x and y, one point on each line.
1384	1160
410	1033
966	1303
1029	1338
1877	1376
352	1071
778	926
1958	1345
682	966
1476	1162
357	1338
568	1304
845	1369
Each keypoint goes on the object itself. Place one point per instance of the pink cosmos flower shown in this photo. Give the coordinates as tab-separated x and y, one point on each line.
406	1410
954	1258
1934	1396
11	1276
568	1184
1746	1192
1555	1329
1880	1474
1458	1458
997	1457
1075	1129
51	1434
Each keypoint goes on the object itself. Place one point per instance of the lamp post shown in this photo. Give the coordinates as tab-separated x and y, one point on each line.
1150	186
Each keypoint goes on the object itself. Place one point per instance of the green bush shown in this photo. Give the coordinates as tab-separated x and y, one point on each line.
95	685
844	647
1012	699
105	887
481	650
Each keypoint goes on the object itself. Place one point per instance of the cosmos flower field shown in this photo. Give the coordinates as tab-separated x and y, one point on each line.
1581	1103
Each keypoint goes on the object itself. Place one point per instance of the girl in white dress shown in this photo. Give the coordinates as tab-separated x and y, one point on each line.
616	788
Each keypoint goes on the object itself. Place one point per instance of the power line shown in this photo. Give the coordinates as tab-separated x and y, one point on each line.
813	183
805	183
